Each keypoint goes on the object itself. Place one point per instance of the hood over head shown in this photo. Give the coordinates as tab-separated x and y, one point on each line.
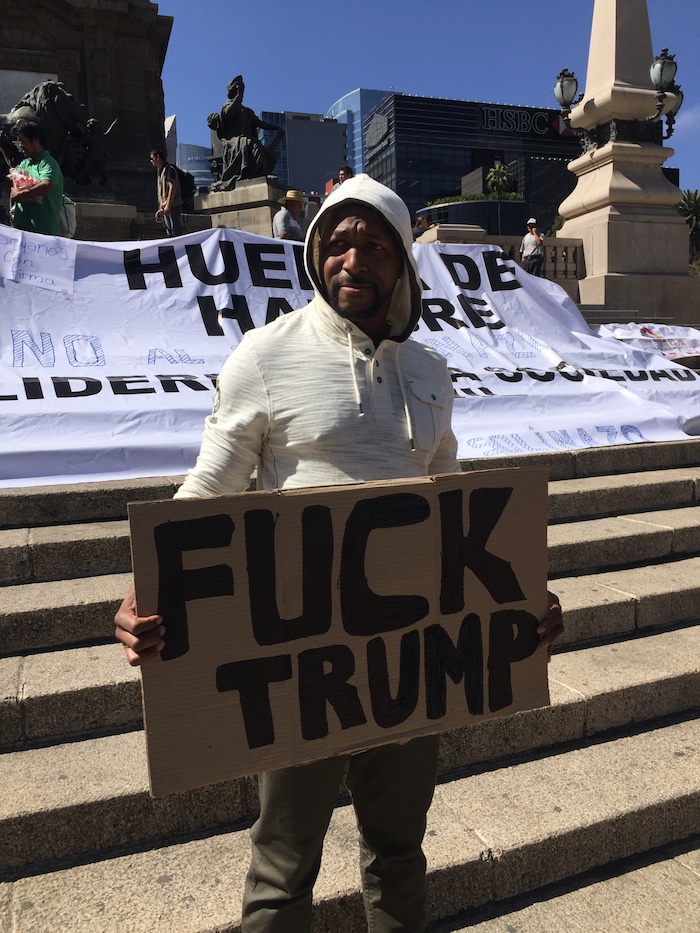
405	308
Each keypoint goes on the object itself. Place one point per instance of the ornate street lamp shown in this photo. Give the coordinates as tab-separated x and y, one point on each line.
663	71
662	74
565	91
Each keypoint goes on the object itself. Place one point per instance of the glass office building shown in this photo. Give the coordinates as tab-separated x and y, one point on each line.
423	147
353	110
280	170
195	159
311	151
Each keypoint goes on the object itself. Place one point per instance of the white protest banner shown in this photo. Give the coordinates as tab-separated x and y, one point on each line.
302	624
109	371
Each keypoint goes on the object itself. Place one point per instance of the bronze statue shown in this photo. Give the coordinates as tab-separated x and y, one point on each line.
93	158
242	153
75	142
59	114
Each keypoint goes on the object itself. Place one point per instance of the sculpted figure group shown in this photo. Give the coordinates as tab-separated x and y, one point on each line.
75	142
78	143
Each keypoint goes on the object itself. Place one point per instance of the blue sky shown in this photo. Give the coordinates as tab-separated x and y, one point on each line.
304	54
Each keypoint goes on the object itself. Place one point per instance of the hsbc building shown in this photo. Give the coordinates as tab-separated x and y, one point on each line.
427	148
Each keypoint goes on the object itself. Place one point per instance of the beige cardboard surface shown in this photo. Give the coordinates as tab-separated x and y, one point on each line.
307	623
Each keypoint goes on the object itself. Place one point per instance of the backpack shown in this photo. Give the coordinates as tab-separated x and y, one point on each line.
188	189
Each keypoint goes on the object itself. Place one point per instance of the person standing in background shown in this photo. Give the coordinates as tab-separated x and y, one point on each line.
169	197
35	207
344	172
285	224
532	249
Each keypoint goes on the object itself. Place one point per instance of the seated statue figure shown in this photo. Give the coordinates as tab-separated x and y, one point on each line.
243	155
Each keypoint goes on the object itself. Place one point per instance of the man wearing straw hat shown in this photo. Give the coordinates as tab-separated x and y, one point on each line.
285	225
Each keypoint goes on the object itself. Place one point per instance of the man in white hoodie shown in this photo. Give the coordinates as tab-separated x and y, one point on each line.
335	393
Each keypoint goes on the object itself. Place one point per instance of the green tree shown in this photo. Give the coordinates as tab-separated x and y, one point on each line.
498	182
689	209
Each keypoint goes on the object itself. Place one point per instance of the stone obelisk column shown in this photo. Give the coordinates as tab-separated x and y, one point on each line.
623	207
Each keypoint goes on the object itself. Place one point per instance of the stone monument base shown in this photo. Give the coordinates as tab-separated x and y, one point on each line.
635	243
250	206
146	227
621	240
114	221
103	221
672	298
632	239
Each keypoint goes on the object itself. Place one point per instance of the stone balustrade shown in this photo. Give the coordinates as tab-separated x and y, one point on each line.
563	262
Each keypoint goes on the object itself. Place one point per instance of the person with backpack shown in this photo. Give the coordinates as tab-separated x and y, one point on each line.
169	196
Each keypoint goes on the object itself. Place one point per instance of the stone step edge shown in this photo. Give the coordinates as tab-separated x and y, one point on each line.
558	488
559	491
683	481
63	613
633	537
42	506
470	863
605	544
563	464
115	688
611	889
571	721
47	616
632	542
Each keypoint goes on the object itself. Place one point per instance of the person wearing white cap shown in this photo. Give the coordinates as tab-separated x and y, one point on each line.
285	225
532	249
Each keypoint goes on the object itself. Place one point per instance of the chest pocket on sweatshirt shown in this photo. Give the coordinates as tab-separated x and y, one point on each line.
428	404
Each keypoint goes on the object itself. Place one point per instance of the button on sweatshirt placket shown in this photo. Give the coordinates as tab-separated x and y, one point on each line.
377	377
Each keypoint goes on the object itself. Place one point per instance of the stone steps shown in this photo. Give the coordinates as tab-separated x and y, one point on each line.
104	780
76	503
71	692
657	893
64	693
602	543
64	552
608	771
583	497
593	497
36	616
565	813
78	551
70	504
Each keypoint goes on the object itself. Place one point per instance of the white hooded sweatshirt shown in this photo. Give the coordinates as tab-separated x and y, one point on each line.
309	401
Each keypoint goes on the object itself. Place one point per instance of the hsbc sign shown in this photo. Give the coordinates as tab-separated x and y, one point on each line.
515	120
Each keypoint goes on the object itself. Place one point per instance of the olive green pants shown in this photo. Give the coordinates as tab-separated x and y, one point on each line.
391	787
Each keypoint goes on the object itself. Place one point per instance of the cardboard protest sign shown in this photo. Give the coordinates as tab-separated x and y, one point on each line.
308	623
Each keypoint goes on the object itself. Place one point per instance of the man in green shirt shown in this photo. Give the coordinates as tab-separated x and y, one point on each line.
37	208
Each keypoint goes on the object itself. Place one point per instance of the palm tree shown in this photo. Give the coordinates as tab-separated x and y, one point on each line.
498	182
689	209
